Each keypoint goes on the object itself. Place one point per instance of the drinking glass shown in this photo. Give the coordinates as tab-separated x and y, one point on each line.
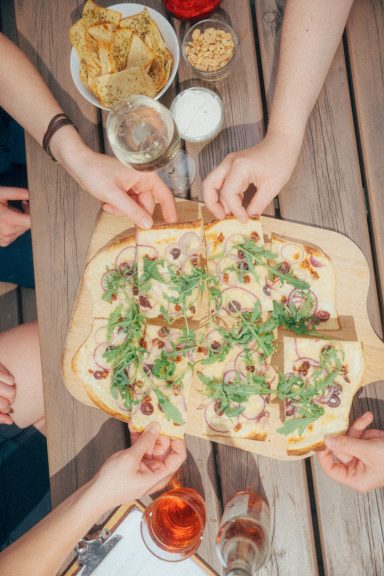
172	526
142	133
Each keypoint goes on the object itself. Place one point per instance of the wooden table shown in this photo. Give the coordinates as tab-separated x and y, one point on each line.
318	527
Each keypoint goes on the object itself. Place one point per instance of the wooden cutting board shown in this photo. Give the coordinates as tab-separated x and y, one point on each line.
352	283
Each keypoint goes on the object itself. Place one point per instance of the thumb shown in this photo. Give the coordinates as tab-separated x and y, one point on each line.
8	193
146	440
233	189
350	446
124	204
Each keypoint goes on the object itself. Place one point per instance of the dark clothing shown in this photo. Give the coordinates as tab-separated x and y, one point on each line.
16	263
24	481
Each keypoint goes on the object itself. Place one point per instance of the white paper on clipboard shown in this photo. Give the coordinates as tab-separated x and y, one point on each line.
130	557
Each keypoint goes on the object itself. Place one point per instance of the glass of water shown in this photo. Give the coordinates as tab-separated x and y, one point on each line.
142	133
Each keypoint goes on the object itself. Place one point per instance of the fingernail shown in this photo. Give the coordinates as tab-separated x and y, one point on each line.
330	442
154	428
146	222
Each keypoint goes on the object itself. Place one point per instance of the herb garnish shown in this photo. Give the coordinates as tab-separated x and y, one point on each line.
302	392
256	255
171	412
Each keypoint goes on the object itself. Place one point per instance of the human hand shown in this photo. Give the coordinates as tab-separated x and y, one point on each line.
7	394
123	190
360	456
268	166
13	222
129	474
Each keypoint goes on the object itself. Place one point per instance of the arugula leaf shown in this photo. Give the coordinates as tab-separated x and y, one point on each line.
298	320
163	368
115	281
300	424
171	412
259	256
120	385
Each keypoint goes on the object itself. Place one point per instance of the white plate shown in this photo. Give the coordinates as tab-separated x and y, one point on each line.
167	33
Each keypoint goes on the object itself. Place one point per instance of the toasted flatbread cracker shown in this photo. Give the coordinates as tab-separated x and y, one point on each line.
153	37
138	23
139	54
121	43
81	40
112	88
93	14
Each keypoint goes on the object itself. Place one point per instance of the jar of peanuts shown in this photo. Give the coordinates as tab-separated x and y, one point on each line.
210	48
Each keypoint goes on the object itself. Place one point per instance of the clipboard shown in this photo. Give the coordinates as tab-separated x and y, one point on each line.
108	552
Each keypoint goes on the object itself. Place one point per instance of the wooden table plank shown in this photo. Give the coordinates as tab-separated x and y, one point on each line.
79	438
329	176
365	34
285	483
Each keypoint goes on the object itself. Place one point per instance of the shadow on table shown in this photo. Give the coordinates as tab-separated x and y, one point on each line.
112	436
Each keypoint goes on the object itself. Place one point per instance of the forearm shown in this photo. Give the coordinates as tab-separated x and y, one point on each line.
25	96
310	36
44	548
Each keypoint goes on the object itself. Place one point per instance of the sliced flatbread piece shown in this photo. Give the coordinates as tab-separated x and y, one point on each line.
313	267
235	391
321	378
111	276
171	277
163	383
95	372
241	283
112	88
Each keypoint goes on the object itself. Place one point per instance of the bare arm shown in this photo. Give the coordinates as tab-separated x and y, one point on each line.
311	33
126	476
310	36
123	191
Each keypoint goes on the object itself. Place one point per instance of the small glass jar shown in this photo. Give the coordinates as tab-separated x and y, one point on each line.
198	114
190	9
202	65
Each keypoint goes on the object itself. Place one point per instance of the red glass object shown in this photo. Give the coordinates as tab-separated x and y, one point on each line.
190	9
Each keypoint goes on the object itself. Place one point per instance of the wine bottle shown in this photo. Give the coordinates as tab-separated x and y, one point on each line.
244	541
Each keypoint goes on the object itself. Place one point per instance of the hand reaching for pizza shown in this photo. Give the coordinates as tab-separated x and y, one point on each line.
7	394
268	166
123	190
356	459
129	474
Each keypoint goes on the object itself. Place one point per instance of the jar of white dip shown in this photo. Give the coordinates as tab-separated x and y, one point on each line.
198	114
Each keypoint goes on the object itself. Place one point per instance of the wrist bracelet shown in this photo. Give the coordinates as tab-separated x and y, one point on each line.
55	124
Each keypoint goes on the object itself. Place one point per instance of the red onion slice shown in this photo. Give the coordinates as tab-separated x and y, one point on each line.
296	298
243	297
293	253
104	278
315	263
190	243
146	250
126	256
254	408
98	357
231	245
214	421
